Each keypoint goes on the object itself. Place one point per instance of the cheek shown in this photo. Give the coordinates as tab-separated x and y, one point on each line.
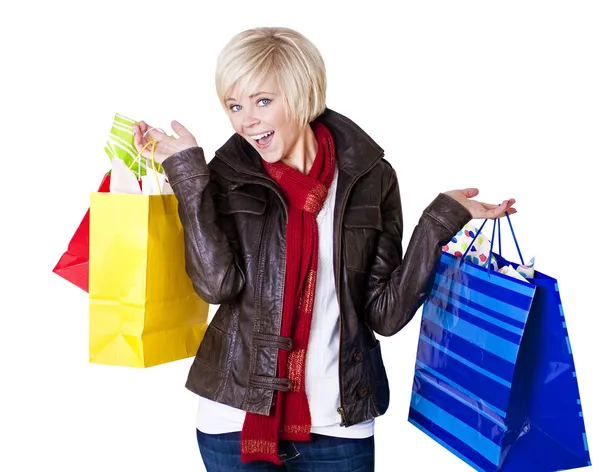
236	123
281	142
235	126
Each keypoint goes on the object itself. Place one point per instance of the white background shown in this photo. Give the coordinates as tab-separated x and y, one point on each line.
504	96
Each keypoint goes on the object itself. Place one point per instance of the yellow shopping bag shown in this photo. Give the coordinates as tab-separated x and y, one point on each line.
143	308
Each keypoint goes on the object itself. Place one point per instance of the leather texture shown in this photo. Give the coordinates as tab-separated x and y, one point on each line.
234	219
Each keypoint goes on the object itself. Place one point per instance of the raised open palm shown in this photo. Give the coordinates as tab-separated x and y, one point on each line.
481	210
166	145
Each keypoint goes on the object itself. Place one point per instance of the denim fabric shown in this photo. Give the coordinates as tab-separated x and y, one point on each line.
221	453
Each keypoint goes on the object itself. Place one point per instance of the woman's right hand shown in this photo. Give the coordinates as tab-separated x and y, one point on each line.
165	146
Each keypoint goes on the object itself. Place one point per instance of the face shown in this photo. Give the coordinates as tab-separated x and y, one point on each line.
261	120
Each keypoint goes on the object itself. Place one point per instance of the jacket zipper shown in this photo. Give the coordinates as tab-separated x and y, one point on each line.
284	275
269	185
261	180
338	257
341	412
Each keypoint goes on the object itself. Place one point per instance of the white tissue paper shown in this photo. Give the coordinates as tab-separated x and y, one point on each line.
479	253
125	180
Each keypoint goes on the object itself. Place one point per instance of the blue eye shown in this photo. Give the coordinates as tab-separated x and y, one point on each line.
263	102
235	108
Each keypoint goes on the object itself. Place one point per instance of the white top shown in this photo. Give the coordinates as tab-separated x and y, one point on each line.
322	357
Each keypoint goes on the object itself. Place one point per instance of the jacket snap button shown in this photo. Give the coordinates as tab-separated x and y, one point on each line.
358	356
363	392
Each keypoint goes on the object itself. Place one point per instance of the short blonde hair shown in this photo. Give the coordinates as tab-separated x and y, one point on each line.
251	55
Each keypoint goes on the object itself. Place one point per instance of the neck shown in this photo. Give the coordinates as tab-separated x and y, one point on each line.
302	155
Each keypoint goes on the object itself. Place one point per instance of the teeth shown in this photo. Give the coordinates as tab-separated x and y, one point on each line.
258	136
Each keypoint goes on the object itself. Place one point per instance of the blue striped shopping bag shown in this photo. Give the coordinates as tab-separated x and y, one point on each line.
495	382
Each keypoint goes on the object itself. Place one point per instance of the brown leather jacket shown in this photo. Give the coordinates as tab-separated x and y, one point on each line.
234	219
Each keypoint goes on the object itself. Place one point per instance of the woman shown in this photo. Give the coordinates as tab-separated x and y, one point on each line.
295	229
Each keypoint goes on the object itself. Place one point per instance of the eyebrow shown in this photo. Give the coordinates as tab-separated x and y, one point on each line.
260	93
251	96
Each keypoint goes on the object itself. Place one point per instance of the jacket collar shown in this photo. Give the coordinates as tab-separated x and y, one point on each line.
355	150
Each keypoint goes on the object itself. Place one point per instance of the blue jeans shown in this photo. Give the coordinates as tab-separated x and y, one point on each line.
221	453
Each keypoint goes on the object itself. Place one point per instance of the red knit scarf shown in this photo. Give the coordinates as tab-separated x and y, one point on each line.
305	195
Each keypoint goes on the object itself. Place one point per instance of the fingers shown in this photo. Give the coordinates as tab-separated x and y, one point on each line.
156	134
137	137
504	204
470	192
496	215
143	133
144	126
139	133
498	211
179	129
501	209
507	205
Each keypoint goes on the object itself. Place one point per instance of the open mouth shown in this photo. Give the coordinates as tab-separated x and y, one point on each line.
263	140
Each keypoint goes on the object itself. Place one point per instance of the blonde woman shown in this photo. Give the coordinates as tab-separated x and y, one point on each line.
295	229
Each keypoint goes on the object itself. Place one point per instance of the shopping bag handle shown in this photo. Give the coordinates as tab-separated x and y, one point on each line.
138	158
492	242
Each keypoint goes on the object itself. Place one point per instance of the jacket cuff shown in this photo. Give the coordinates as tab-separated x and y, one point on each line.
449	213
185	164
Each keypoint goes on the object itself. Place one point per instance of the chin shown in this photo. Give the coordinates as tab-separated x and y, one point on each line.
271	159
269	155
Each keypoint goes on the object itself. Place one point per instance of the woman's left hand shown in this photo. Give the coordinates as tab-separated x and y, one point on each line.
481	210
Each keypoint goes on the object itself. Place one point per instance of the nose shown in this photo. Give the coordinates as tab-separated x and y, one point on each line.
249	119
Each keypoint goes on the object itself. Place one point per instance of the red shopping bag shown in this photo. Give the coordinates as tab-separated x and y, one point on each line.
73	265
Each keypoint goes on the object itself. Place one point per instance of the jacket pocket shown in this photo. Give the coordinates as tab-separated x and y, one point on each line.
214	349
362	227
248	214
379	383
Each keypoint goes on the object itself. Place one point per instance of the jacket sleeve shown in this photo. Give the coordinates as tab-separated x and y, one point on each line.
210	260
398	286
